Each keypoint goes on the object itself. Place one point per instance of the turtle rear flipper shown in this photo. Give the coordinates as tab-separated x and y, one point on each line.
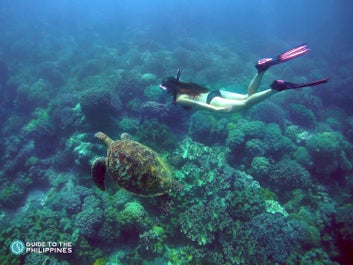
98	172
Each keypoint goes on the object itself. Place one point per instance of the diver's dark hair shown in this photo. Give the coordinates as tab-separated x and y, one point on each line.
174	86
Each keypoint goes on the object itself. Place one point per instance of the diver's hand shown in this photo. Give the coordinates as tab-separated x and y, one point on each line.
225	109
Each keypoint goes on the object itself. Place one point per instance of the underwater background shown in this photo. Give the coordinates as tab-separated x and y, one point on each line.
269	185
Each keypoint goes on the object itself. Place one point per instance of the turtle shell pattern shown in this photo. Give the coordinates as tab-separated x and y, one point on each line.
138	169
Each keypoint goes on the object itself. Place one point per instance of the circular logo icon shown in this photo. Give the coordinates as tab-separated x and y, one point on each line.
17	247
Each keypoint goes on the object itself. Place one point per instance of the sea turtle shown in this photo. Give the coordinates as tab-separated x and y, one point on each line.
133	166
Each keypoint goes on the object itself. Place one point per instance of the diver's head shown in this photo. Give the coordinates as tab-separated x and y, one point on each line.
170	84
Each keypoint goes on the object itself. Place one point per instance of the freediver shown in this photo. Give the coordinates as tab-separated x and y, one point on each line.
194	95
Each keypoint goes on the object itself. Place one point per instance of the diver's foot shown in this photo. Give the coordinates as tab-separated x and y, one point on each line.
265	63
281	85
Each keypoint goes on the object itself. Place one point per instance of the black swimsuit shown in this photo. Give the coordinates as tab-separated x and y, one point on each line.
212	95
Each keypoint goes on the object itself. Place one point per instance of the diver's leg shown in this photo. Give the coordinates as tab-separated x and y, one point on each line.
232	95
255	83
234	105
258	97
252	88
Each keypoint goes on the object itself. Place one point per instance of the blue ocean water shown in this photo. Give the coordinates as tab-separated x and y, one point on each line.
268	184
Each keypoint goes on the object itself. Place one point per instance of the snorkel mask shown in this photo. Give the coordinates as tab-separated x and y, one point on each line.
170	84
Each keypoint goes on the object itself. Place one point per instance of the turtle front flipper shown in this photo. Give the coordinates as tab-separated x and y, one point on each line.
98	172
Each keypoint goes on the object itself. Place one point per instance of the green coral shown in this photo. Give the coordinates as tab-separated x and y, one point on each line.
40	119
11	195
243	131
253	129
39	92
260	166
156	135
235	138
329	152
254	147
133	216
316	256
192	150
301	155
274	207
81	148
301	115
276	144
246	203
179	256
152	242
129	125
202	127
289	174
152	93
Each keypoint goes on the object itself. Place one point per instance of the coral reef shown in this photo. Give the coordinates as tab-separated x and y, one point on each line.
270	185
51	73
156	135
37	94
79	150
99	106
133	218
152	242
89	221
163	113
268	112
330	153
277	237
42	130
301	116
288	175
260	167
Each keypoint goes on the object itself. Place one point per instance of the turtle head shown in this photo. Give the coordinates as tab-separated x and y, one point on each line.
103	139
125	136
98	170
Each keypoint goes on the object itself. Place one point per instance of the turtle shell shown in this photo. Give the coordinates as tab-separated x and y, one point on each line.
138	169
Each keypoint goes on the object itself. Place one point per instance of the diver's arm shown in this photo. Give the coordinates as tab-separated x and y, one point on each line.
197	104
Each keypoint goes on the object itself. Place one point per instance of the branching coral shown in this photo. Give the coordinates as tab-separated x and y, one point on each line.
89	221
271	237
201	222
275	143
133	218
225	196
152	242
260	167
289	174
